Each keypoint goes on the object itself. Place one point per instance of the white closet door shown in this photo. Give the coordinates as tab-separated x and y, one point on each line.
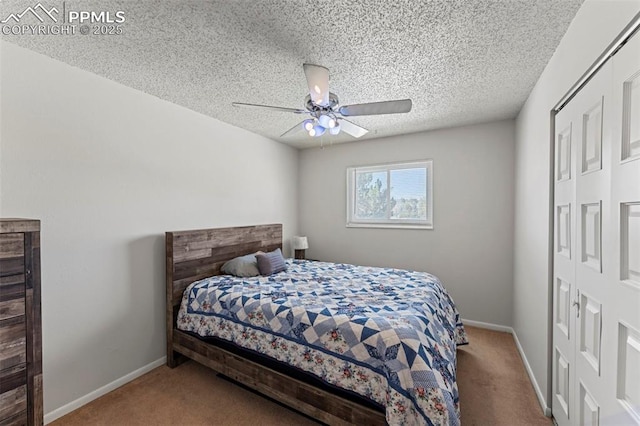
596	294
624	279
583	136
594	248
564	269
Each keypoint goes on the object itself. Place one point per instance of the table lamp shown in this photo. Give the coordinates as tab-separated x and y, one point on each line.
300	244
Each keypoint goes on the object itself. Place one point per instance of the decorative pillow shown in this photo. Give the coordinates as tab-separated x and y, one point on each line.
271	263
243	266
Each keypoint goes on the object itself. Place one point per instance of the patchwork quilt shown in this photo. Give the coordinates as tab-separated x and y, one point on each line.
389	335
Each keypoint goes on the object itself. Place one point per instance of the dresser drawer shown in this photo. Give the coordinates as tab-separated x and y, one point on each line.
12	404
13	377
11	254
14	344
12	278
12	293
13	382
11	310
17	420
11	286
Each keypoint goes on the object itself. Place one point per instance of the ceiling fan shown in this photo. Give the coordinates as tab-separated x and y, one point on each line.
324	113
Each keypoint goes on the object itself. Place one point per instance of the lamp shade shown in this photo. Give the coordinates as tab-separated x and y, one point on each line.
300	243
317	130
308	124
327	121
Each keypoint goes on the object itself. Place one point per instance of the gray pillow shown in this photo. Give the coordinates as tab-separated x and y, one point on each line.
271	263
243	266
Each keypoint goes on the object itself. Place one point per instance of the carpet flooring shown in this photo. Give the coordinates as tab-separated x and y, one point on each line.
494	390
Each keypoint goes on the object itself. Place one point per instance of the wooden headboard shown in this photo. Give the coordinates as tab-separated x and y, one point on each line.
194	255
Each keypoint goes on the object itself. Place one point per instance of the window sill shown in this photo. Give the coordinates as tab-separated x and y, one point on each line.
389	226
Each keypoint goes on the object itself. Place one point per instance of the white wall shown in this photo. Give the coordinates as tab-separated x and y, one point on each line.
470	247
595	26
108	170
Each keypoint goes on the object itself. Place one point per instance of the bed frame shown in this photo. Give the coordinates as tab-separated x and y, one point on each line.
193	255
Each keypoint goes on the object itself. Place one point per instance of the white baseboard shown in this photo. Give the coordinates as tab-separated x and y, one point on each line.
488	326
74	405
543	403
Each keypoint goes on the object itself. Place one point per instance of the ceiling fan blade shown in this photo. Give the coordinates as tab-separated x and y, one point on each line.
376	108
277	108
352	129
294	129
318	82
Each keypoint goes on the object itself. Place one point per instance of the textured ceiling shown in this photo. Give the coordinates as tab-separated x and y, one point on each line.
460	62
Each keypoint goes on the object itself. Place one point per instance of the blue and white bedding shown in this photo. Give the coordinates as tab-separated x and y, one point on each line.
389	335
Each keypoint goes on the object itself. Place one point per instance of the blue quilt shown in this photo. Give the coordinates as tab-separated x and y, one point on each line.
387	334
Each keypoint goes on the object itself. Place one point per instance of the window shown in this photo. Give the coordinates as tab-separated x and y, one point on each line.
390	195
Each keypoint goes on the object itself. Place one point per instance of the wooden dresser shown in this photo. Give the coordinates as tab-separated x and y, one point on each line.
20	323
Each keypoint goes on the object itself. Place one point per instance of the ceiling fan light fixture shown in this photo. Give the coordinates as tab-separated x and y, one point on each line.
327	121
335	129
308	124
317	131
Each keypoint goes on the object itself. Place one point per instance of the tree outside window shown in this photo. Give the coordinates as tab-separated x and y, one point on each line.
394	195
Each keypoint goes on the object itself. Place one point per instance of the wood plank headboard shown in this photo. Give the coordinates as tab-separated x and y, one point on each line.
194	255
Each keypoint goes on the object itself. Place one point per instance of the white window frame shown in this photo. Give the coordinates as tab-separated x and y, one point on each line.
353	222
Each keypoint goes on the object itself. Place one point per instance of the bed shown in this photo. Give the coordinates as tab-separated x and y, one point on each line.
344	344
